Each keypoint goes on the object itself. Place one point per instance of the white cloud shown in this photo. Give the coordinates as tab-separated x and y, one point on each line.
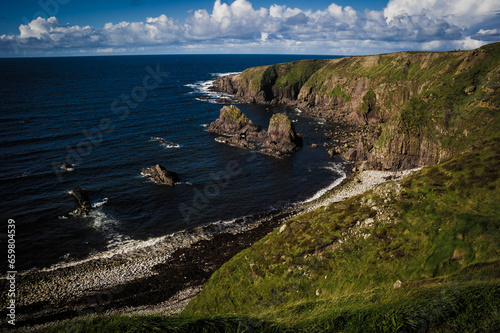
238	26
464	12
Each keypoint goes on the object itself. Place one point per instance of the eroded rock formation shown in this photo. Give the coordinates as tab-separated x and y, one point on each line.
237	130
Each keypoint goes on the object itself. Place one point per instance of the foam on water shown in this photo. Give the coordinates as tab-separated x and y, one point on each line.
166	144
338	168
100	203
224	74
203	87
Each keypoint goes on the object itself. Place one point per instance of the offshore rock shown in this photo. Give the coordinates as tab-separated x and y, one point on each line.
232	121
239	131
67	166
82	201
161	175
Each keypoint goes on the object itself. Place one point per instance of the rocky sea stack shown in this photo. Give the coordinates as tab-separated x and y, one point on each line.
161	175
82	200
239	131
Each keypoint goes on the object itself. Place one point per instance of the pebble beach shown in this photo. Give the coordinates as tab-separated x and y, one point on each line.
163	274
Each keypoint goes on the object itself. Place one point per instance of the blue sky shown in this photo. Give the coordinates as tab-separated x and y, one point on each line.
341	27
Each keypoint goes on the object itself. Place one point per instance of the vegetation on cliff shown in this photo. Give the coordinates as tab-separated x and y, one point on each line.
422	107
233	113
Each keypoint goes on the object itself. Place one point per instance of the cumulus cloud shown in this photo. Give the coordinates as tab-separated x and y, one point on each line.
464	12
403	24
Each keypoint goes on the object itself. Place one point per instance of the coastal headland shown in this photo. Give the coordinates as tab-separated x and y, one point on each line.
400	112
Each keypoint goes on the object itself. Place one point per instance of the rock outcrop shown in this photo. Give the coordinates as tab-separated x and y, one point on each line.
406	109
82	200
67	166
161	175
237	130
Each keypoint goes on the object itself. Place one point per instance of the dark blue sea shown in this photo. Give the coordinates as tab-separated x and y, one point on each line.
101	114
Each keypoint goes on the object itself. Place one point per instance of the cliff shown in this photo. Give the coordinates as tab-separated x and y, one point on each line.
409	109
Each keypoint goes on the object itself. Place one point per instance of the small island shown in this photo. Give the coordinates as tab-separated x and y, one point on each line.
237	130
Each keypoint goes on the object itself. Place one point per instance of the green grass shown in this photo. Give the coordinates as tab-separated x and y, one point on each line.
337	91
369	101
442	223
233	112
280	119
449	307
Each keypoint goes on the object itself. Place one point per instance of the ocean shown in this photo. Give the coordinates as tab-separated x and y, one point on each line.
103	114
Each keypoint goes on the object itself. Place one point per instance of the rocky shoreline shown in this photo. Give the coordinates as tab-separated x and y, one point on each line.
163	274
348	142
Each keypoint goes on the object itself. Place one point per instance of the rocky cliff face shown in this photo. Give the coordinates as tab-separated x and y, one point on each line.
409	109
237	130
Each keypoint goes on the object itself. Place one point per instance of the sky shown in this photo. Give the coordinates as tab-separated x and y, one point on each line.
120	27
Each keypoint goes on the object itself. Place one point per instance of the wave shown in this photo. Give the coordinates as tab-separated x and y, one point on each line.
119	244
321	121
224	74
165	143
203	88
339	169
99	203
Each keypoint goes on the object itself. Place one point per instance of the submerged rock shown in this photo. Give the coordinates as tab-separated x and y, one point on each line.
239	131
67	166
161	175
82	201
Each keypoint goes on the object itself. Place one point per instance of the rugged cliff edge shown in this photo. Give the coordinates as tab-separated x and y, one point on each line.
410	109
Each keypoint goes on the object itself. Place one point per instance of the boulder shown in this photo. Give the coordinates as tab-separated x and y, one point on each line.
161	175
82	201
223	101
67	166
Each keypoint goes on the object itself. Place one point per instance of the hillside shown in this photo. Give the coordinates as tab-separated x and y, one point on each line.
410	109
420	253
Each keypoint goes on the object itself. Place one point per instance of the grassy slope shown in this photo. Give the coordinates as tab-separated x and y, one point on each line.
438	233
333	269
